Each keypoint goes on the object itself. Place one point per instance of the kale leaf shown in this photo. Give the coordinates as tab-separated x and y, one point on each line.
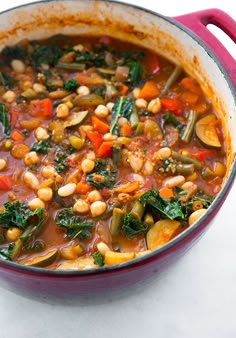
170	119
135	74
4	120
123	107
41	147
97	258
102	176
44	55
70	85
131	226
5	80
60	159
14	52
166	209
73	225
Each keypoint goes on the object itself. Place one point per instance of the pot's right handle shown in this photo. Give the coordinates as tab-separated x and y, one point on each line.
198	21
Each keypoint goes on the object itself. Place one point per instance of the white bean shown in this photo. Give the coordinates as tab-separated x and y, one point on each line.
148	168
31	158
13	234
190	187
9	96
101	111
67	190
154	106
110	106
175	181
87	165
41	133
164	152
36	203
31	180
18	66
94	196
196	215
141	103
136	162
45	194
83	90
81	207
62	110
3	164
97	208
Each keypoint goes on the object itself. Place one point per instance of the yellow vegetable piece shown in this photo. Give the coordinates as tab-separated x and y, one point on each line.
112	257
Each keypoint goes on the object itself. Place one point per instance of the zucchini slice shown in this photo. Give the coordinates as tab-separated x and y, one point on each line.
42	260
206	132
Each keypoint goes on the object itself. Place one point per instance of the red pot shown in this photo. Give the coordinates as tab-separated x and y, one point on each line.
197	50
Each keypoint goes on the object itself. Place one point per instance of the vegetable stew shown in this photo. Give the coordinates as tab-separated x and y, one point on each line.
107	151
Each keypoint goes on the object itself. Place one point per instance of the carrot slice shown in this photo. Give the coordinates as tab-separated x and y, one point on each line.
105	149
189	97
82	188
95	138
127	187
16	136
166	193
189	84
41	108
124	90
126	130
173	105
5	183
149	90
99	125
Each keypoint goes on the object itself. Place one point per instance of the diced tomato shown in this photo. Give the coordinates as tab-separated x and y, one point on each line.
95	138
5	183
105	149
203	154
41	108
149	90
153	63
172	105
99	125
14	118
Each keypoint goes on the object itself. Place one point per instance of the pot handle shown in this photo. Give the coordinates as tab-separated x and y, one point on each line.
197	22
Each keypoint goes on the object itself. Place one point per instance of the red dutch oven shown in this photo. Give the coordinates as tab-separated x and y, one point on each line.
186	41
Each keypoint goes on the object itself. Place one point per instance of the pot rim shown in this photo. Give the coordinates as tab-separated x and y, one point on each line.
214	207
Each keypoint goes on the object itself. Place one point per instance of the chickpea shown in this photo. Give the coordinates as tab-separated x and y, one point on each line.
109	137
136	93
110	106
94	196
101	111
9	96
31	180
67	190
41	133
154	106
83	90
87	165
98	208
45	194
140	103
148	168
196	215
36	203
91	155
62	111
39	88
3	164
122	121
81	207
18	66
102	248
49	172
31	158
13	234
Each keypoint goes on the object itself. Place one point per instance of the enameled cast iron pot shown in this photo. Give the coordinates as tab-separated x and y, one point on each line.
201	55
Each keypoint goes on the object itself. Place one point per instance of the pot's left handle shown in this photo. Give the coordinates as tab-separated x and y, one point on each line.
198	21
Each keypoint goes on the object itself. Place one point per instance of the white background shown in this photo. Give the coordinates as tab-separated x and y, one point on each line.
195	298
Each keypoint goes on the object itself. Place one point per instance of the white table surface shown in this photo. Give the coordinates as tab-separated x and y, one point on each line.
195	298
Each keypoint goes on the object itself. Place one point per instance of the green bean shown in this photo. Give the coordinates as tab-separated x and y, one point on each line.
188	131
171	80
117	221
148	219
117	153
185	169
139	129
106	71
207	173
134	119
137	210
71	66
185	159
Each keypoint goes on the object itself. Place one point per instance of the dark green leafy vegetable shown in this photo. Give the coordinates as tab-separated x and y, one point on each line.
169	118
5	80
130	55
73	225
123	107
4	120
15	52
60	159
131	226
102	176
44	55
71	85
6	252
41	147
135	74
164	208
97	258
